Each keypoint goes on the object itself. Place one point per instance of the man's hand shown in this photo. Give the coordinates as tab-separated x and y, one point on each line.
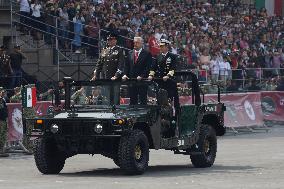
139	78
165	78
150	78
93	78
113	78
124	77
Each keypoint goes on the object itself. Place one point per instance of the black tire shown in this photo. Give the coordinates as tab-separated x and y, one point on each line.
116	162
133	152
47	157
207	148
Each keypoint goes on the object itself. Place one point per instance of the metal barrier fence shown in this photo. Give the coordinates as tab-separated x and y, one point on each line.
236	80
4	4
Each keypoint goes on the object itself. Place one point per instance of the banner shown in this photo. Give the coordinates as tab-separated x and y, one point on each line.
273	105
242	109
15	121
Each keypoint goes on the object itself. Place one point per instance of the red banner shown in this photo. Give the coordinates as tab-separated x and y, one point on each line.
273	105
242	109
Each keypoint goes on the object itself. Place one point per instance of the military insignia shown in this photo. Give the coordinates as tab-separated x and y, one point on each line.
115	52
169	60
105	52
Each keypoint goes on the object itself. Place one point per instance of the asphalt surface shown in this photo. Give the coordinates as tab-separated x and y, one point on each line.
254	160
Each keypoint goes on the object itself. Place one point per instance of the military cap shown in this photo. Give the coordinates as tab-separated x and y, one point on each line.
2	89
164	42
112	36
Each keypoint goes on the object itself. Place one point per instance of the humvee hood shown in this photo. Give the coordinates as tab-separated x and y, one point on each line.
103	115
99	115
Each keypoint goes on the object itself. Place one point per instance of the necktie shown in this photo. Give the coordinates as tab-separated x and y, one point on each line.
135	56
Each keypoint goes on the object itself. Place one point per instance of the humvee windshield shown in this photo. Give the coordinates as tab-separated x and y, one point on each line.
107	94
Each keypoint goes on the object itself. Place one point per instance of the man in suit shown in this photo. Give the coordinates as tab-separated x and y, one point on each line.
164	67
137	66
111	61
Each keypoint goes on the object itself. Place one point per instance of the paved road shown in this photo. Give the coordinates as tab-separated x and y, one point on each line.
243	161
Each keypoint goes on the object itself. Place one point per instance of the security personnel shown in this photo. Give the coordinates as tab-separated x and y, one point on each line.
17	97
111	61
164	67
3	123
137	66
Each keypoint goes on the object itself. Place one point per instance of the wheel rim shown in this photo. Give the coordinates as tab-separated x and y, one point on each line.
207	146
138	152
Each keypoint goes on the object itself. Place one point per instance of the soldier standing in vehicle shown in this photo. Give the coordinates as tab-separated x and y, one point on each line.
3	123
137	66
164	67
111	61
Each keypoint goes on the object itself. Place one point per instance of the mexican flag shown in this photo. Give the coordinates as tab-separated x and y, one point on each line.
273	7
29	97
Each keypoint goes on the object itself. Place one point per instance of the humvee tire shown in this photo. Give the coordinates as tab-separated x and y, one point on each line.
133	152
48	159
207	148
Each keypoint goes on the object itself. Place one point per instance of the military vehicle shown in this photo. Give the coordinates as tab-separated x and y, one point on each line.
126	133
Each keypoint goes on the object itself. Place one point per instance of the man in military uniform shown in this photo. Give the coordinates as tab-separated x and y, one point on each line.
164	67
79	97
3	123
111	61
17	97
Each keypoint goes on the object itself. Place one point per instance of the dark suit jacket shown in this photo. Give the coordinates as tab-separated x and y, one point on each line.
141	67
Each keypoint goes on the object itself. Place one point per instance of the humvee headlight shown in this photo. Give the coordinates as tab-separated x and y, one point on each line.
119	122
54	128
98	128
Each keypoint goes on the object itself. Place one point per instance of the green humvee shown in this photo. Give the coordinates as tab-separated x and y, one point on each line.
105	124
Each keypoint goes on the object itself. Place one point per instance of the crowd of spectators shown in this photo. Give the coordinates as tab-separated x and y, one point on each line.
226	39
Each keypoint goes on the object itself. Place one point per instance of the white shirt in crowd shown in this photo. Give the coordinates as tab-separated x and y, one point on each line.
158	36
225	68
36	10
214	66
24	6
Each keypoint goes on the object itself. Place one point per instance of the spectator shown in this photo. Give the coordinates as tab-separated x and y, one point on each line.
24	14
215	69
280	86
252	86
78	21
36	18
64	27
6	69
16	64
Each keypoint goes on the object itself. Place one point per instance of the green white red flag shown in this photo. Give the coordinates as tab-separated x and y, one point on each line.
29	97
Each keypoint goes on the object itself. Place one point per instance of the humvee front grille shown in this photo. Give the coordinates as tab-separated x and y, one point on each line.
81	128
